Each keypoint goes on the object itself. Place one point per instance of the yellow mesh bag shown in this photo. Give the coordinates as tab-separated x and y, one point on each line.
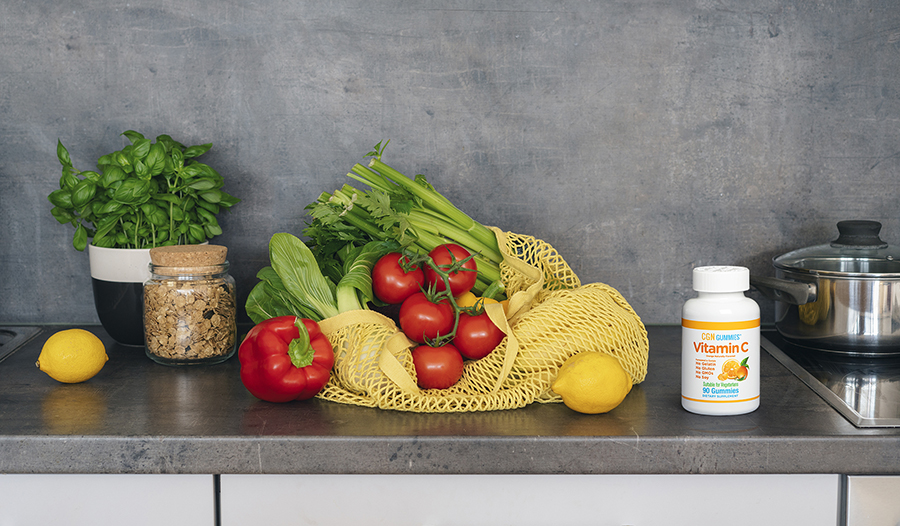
551	316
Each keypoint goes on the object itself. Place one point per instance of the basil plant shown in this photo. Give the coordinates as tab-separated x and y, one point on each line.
146	195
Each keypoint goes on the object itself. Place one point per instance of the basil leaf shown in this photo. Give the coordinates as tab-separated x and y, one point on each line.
141	170
68	179
103	241
61	198
62	215
205	215
122	160
109	207
227	200
111	175
80	239
213	196
132	135
62	154
131	191
156	215
155	160
177	159
105	225
168	198
196	151
91	176
83	192
141	149
168	142
212	230
190	171
195	232
202	184
212	207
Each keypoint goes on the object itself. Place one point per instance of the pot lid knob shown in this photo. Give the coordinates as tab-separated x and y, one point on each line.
859	233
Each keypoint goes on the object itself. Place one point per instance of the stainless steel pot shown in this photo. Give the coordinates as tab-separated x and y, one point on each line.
843	296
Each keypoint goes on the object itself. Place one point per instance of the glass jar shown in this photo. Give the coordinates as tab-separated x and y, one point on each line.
190	306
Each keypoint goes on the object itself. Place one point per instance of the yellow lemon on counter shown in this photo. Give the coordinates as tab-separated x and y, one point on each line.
72	356
592	382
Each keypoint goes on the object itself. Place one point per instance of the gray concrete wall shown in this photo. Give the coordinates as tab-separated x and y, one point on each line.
640	138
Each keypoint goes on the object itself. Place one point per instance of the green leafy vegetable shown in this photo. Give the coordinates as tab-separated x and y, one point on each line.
148	194
295	285
395	209
300	274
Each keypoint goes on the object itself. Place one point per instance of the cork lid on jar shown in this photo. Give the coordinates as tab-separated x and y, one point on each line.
188	255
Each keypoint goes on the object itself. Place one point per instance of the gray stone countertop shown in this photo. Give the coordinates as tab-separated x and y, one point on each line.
139	417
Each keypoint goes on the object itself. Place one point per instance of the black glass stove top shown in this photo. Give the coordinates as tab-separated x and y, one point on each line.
866	391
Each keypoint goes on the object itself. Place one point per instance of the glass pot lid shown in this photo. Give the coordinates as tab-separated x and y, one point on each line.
858	251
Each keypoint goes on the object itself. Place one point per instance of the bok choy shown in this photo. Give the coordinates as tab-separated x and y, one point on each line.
294	284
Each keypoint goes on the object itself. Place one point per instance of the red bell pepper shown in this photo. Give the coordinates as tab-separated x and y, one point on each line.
285	358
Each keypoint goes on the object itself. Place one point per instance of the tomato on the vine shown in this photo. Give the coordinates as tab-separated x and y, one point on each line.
461	280
421	319
437	367
391	283
476	336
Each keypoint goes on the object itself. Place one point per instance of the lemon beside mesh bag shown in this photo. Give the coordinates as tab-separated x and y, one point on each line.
551	317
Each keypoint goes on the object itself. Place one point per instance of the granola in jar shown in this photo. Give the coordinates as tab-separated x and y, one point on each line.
190	305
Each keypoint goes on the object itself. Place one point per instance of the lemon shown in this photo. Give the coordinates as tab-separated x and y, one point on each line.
468	299
592	382
72	356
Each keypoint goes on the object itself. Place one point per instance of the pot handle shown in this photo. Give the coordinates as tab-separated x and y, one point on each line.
791	292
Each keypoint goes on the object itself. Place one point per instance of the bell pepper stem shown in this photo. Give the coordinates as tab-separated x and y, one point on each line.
300	349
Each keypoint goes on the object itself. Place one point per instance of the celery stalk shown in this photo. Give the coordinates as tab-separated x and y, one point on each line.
437	202
397	209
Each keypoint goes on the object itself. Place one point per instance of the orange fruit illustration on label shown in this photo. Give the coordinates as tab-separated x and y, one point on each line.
730	367
734	370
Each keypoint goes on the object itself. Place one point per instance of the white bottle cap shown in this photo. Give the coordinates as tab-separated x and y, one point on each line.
721	279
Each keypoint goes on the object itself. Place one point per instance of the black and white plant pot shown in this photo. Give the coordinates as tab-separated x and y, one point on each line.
118	276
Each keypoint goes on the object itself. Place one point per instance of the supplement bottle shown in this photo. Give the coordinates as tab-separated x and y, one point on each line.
720	344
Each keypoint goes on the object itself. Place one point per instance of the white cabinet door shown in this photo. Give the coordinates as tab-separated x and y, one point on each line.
100	500
522	500
873	501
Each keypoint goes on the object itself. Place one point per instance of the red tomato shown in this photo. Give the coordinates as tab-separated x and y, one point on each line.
420	318
476	336
461	280
391	283
437	367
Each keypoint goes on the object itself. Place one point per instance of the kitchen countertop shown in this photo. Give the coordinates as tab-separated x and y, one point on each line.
139	417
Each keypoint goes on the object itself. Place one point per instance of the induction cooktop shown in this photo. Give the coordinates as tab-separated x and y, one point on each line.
866	391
